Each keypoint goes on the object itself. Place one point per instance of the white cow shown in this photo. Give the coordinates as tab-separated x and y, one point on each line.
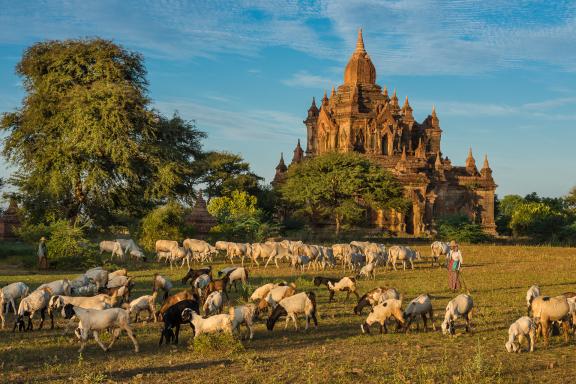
131	248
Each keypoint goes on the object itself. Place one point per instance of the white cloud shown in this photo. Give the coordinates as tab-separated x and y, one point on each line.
303	79
403	37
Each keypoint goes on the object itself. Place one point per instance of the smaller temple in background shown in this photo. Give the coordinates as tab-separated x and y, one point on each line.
199	218
9	222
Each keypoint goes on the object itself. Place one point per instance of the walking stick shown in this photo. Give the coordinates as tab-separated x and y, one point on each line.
461	278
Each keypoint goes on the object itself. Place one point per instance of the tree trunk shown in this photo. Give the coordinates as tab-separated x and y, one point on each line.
337	224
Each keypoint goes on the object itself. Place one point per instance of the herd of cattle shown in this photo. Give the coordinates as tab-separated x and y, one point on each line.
354	255
101	300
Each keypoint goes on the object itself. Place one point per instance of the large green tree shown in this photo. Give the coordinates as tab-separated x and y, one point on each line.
224	172
341	187
86	142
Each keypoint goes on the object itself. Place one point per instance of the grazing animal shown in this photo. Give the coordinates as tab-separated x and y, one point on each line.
303	302
98	275
236	275
200	283
119	272
143	303
114	247
522	329
244	314
374	297
276	295
193	274
422	305
171	300
94	321
346	284
300	261
37	301
173	319
391	308
402	253
261	292
217	285
439	248
8	296
98	302
199	249
212	324
131	248
461	306
546	309
533	292
368	271
162	283
213	304
58	287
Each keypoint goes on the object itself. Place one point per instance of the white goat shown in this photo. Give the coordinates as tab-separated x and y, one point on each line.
142	303
98	302
522	329
92	320
8	296
238	274
261	292
422	305
212	324
98	275
162	283
213	303
200	283
244	314
391	308
58	287
532	293
461	306
368	271
37	301
303	302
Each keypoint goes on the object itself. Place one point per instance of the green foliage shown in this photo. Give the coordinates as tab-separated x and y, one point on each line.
218	342
340	187
165	222
239	218
224	173
504	210
85	141
461	229
571	200
536	219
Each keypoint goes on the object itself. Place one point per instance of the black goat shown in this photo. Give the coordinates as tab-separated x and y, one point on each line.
173	319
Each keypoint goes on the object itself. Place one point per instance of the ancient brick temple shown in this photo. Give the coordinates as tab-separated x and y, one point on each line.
360	116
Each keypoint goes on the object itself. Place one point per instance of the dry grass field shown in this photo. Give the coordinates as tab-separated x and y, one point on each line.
336	352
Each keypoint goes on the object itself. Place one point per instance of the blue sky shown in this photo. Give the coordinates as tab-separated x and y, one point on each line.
502	74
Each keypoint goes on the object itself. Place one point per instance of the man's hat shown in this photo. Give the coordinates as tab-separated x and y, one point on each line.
42	238
453	243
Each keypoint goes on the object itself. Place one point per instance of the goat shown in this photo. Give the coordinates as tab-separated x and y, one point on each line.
303	302
163	283
212	324
346	284
217	285
143	303
422	305
171	300
368	271
374	297
522	329
172	318
244	314
193	274
94	302
461	306
276	295
213	304
92	320
34	302
8	295
390	308
58	287
532	293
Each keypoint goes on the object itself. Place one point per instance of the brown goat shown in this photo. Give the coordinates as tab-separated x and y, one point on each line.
217	285
276	295
171	300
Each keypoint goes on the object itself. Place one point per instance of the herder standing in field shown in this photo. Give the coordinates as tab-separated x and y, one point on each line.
454	266
42	254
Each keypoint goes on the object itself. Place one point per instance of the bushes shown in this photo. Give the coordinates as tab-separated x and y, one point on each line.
165	222
461	229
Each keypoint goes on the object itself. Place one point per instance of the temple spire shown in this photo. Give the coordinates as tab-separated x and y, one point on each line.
486	171
281	164
471	163
360	42
325	98
486	164
298	154
385	92
333	93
